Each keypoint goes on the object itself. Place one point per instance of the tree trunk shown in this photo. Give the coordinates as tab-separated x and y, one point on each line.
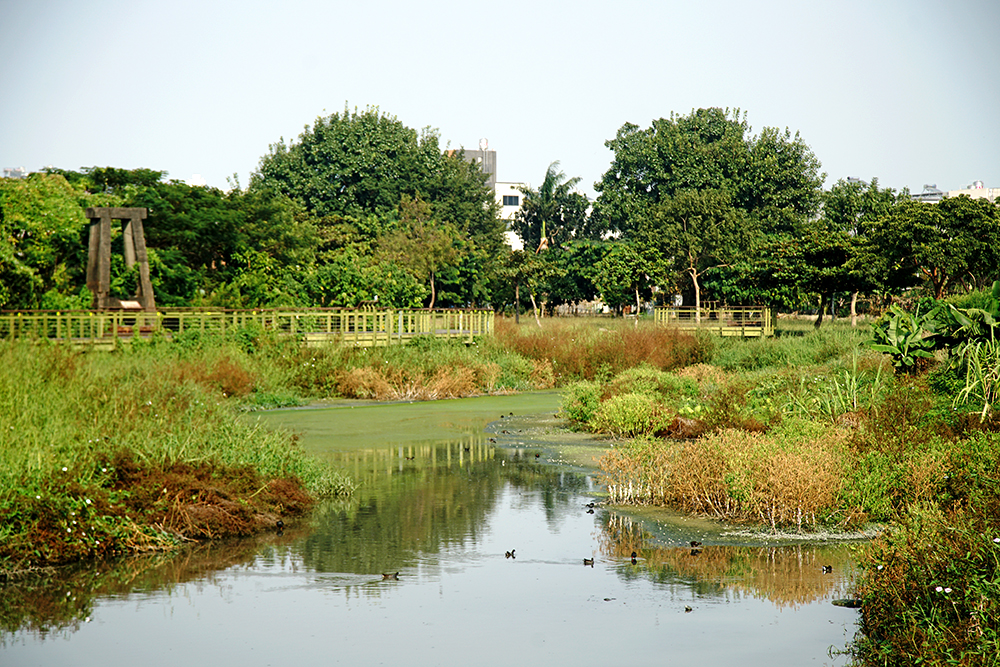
637	306
517	302
822	307
697	297
534	310
854	308
433	294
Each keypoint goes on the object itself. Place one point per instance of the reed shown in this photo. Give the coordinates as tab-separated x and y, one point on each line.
781	479
588	350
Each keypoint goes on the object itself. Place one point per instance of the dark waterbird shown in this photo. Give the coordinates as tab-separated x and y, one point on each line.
510	554
634	554
390	576
588	561
827	569
695	544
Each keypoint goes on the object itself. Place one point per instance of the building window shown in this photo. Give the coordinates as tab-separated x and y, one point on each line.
511	200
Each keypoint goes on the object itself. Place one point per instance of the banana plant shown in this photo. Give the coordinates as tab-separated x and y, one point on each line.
907	337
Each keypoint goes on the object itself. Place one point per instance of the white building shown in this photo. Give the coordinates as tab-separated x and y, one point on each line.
977	191
510	196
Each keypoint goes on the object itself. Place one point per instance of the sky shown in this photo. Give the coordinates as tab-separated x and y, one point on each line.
907	91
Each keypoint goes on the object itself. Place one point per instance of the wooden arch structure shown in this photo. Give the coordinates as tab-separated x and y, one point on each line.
99	257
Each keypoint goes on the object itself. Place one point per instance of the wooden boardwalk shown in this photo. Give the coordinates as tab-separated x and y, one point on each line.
314	327
743	321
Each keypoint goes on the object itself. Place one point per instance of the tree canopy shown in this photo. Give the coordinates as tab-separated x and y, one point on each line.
772	177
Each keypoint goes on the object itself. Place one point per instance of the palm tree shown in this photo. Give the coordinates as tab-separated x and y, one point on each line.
553	207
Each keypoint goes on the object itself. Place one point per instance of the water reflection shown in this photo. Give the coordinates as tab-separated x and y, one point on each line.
442	513
416	501
785	575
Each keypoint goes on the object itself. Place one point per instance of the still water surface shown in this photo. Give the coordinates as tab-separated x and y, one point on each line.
446	489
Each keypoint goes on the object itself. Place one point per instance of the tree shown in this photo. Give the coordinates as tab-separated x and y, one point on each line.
849	209
532	270
578	263
621	276
773	178
359	166
42	242
362	163
695	231
554	207
420	244
953	242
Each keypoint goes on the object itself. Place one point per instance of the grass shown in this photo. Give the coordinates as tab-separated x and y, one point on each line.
112	453
581	349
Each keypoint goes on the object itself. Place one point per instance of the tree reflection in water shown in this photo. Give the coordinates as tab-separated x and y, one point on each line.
442	513
785	575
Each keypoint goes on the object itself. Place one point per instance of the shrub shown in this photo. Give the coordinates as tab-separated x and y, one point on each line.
629	416
581	400
928	592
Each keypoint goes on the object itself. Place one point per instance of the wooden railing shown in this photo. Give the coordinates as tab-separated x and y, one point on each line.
320	326
745	321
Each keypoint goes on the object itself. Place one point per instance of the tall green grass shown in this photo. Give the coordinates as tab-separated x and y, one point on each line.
70	421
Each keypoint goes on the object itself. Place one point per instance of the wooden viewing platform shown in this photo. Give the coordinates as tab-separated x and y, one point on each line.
743	321
314	326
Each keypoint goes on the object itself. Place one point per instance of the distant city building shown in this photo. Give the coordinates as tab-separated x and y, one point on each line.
930	195
15	172
510	196
487	161
975	190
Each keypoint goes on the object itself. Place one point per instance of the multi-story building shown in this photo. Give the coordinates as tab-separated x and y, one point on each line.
509	195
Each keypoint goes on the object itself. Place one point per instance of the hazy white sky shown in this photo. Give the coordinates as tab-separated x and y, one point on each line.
907	91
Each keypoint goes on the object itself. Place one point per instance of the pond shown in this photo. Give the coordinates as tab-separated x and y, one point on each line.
413	569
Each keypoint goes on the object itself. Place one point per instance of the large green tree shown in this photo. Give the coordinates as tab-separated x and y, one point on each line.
43	248
622	276
362	163
772	177
420	244
694	231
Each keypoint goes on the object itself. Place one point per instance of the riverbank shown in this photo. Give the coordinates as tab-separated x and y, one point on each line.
138	450
141	448
814	433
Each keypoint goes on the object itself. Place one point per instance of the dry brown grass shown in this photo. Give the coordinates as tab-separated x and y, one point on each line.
399	384
584	350
224	374
734	475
